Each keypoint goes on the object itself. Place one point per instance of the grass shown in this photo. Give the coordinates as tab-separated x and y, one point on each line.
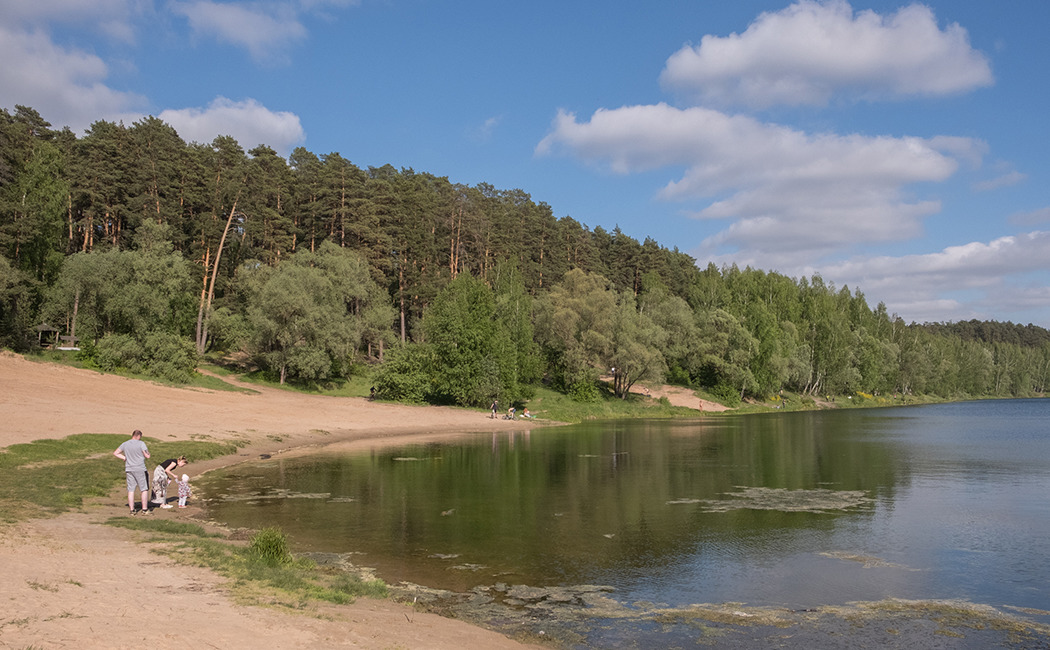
263	573
48	477
355	386
552	405
68	358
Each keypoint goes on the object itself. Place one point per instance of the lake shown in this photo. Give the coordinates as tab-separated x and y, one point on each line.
790	510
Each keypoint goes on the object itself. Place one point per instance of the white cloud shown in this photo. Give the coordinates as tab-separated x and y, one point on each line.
483	132
112	17
801	202
813	51
65	85
312	5
785	189
265	31
1006	180
248	122
1031	218
974	280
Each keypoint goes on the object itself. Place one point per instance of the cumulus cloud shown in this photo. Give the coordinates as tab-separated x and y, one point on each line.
802	202
981	280
783	188
67	86
813	51
70	87
992	275
112	17
248	122
265	31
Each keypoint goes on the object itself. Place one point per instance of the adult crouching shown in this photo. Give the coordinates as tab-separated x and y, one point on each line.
162	476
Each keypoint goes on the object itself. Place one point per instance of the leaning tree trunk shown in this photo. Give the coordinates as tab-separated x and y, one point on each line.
205	308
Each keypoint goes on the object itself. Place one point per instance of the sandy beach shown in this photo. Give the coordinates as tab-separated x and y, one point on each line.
70	581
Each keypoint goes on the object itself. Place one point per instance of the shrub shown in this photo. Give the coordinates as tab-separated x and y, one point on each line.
585	391
169	356
118	352
270	547
726	394
405	375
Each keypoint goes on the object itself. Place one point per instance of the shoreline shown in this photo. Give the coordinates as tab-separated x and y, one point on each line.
70	580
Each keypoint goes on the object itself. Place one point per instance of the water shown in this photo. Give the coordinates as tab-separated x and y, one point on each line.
791	510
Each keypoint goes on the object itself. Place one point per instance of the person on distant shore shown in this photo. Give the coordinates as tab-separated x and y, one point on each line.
495	408
134	454
162	476
526	414
184	490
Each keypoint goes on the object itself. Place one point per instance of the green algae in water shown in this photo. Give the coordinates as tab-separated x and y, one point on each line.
818	500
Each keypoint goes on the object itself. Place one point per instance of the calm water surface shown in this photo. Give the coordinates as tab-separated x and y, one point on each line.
793	509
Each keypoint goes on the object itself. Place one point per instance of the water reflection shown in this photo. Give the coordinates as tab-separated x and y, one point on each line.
798	509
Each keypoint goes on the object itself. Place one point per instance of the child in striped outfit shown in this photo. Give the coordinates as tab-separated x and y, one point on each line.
184	490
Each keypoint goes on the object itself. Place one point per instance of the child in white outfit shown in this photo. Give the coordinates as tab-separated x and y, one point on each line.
184	490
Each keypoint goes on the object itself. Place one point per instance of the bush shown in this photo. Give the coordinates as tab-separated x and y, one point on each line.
678	377
161	354
270	547
405	375
170	357
118	352
585	391
726	394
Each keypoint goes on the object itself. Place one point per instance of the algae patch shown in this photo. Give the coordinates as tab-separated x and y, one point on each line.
818	500
867	561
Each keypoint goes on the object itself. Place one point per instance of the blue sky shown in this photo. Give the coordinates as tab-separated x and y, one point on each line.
891	147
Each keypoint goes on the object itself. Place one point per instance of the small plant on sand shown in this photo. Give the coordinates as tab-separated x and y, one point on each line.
270	547
264	571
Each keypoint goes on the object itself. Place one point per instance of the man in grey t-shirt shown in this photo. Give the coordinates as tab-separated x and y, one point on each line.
134	454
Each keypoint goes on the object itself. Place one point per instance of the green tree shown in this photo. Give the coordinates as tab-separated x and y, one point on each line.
474	360
15	315
637	341
728	350
681	345
31	230
574	328
306	313
514	317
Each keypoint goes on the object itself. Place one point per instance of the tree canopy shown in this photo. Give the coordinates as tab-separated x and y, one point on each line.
152	252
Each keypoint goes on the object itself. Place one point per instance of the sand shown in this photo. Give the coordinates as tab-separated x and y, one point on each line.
70	581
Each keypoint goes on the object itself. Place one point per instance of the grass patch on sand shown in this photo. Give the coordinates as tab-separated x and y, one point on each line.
48	477
71	359
264	572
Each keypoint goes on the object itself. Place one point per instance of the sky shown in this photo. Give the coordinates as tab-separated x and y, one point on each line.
895	148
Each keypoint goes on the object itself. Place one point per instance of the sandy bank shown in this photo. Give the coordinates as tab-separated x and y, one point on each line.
69	581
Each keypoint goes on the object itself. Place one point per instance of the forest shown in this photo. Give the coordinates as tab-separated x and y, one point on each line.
150	254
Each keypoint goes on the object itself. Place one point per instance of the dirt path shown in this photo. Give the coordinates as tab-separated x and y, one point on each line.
676	395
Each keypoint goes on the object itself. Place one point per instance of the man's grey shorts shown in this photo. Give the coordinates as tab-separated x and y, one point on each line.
137	479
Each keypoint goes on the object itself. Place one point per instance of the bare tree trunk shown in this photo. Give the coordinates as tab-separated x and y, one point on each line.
76	308
202	319
204	295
